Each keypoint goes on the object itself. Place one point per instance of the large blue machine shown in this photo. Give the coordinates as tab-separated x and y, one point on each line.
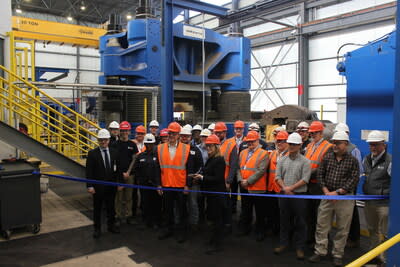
144	55
370	75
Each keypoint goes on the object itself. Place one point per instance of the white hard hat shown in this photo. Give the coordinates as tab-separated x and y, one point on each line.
342	127
185	131
303	124
114	125
103	134
149	139
205	132
340	136
279	129
188	126
294	138
154	123
197	128
254	126
375	136
211	127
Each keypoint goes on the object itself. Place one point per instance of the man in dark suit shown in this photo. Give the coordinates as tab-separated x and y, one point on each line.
101	164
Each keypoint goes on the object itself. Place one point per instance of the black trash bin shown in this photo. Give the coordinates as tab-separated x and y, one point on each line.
20	202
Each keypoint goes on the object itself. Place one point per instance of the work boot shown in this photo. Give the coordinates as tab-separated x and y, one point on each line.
337	262
165	234
181	238
280	249
132	221
260	236
314	258
299	254
352	244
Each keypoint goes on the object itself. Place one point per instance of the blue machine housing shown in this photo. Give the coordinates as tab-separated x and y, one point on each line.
136	54
370	74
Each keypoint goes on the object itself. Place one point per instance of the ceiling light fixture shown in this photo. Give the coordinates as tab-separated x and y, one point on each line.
129	16
69	18
18	9
83	7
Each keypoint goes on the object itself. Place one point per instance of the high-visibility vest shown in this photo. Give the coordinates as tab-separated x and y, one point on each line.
316	156
173	171
249	167
226	150
273	162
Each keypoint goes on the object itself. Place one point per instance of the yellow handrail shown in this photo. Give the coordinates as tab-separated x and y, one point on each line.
50	126
375	252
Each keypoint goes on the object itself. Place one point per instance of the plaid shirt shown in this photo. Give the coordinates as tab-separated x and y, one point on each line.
334	174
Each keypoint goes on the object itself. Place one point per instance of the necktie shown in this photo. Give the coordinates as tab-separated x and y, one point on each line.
107	160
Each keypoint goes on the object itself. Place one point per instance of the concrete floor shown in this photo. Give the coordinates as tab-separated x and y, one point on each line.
66	240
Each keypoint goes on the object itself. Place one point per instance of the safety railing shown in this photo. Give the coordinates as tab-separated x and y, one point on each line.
375	252
48	120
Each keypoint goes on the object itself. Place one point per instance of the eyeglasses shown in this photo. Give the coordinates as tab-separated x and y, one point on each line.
302	130
281	141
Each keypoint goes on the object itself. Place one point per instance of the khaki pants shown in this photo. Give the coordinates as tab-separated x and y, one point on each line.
377	220
123	201
343	209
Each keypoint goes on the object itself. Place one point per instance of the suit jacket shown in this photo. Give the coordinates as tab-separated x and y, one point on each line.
214	175
96	170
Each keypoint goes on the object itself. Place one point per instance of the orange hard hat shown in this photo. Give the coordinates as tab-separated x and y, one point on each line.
238	124
164	132
282	135
140	129
316	126
252	136
125	126
174	127
220	127
213	139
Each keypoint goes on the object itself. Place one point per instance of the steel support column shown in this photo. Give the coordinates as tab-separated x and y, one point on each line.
394	214
302	40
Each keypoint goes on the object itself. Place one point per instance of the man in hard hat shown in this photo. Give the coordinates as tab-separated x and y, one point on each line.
196	161
173	157
315	152
101	164
252	176
113	127
292	175
302	130
140	132
229	152
127	149
147	173
164	136
255	127
154	126
196	140
377	167
238	128
202	147
281	150
338	174
354	233
211	127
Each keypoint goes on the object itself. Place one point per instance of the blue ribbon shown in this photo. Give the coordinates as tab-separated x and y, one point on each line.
346	197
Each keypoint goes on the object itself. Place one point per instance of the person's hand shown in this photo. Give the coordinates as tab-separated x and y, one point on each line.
160	192
197	176
288	190
91	190
228	186
119	188
244	184
186	188
333	193
125	175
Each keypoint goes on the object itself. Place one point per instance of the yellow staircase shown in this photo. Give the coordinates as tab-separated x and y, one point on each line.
72	135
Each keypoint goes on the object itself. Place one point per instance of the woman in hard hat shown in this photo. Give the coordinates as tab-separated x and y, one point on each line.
213	179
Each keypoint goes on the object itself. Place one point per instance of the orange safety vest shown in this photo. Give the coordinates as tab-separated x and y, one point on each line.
273	162
173	171
316	156
226	150
249	168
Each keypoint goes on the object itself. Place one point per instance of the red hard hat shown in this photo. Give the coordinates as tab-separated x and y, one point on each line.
238	124
164	132
316	126
125	126
220	127
174	127
252	136
213	139
282	135
140	129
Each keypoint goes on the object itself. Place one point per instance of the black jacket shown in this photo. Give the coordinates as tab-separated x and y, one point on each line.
96	170
147	168
213	175
195	162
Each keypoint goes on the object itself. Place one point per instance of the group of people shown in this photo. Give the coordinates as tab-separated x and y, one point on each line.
171	166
